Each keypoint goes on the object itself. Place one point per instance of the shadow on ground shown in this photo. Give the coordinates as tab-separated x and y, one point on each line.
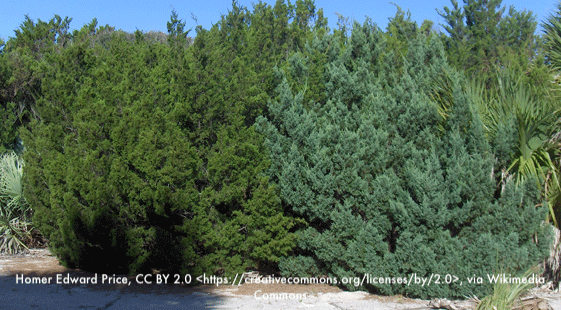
27	291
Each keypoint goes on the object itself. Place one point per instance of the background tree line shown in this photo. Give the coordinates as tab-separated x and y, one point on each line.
272	142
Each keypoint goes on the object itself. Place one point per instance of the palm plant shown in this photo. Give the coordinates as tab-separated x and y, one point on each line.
13	233
442	94
14	211
533	117
506	295
552	27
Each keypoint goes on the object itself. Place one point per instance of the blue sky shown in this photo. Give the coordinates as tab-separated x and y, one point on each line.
149	15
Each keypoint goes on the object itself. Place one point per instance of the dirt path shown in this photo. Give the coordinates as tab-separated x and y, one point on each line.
24	284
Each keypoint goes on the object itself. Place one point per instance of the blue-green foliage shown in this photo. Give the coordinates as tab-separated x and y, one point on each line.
384	190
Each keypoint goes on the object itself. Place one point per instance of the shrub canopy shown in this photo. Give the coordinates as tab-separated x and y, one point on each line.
389	186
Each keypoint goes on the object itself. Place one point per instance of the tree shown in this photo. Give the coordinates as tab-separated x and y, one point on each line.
8	109
20	72
176	31
511	87
482	36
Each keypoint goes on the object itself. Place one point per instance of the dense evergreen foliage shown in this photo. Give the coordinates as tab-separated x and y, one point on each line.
145	152
272	142
20	74
383	188
483	35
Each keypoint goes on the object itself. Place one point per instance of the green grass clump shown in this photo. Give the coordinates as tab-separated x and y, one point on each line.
505	295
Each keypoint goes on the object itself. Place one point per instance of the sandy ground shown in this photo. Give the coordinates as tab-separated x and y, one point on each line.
40	266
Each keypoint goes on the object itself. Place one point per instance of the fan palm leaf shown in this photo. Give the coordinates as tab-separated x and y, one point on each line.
14	211
552	27
11	191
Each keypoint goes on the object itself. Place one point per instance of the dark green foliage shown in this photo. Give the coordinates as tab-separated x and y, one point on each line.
110	173
8	112
7	118
230	81
20	74
388	186
483	36
136	160
399	31
177	36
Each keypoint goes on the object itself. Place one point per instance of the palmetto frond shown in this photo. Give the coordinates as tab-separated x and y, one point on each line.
11	192
14	227
552	28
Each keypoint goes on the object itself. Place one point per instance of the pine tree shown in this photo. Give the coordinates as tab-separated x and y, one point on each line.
482	35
